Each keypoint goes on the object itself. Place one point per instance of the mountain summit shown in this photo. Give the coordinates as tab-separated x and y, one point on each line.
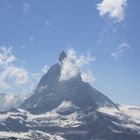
62	56
51	92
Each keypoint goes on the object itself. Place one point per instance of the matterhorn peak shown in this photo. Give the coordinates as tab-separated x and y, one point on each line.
51	91
62	56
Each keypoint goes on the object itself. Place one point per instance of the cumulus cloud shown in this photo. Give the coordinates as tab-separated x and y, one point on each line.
6	56
10	100
10	73
120	50
88	77
13	75
3	84
114	9
44	69
20	75
72	64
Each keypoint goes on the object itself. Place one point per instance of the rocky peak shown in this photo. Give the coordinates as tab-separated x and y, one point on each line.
62	56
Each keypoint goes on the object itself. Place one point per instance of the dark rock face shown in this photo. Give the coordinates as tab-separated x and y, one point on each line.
15	125
62	56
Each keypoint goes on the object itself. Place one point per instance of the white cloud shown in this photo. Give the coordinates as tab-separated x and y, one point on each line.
120	50
45	69
3	85
88	77
114	9
71	64
123	46
19	75
14	76
11	100
6	55
10	73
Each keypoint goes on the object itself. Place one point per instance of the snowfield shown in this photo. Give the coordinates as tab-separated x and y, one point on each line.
55	118
128	115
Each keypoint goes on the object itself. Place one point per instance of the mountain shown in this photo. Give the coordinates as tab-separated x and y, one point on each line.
51	92
69	109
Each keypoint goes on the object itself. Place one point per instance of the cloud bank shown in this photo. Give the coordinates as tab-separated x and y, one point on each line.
114	9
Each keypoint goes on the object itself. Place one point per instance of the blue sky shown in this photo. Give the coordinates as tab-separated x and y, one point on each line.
35	32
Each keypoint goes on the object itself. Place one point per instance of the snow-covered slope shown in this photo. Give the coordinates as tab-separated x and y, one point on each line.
128	116
132	111
65	115
30	135
68	120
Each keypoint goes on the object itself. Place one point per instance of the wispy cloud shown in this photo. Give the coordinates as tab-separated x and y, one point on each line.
23	46
72	64
26	7
88	77
120	50
47	22
31	39
114	9
102	36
